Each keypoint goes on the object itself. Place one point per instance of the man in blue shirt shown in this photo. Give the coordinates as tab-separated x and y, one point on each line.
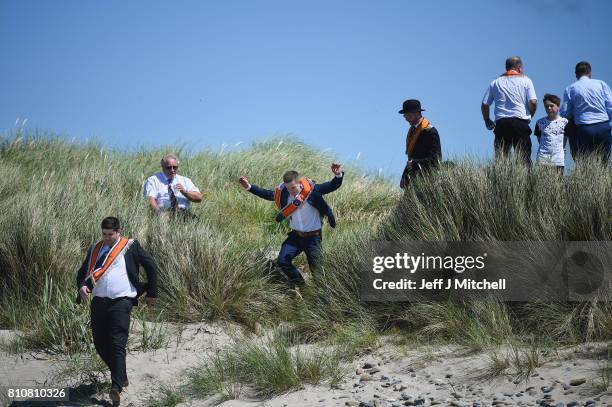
589	102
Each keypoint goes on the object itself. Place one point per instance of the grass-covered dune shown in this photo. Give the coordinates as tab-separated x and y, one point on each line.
53	194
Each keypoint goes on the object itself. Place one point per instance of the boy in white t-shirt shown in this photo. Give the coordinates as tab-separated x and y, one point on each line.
550	131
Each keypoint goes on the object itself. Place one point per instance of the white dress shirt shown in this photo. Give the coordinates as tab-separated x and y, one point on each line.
306	218
114	283
157	187
511	95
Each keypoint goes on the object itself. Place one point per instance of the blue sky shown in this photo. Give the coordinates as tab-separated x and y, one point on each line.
333	73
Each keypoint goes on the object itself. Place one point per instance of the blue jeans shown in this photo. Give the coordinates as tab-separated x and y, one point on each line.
594	138
293	246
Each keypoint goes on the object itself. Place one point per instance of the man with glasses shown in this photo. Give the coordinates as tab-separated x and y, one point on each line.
168	191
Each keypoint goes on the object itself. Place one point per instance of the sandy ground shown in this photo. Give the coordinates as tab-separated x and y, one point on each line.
147	371
448	376
390	376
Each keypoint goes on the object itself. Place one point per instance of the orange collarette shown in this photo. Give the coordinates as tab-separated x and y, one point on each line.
302	197
96	274
414	135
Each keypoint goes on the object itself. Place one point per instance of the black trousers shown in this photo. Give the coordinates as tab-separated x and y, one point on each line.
513	133
293	246
110	325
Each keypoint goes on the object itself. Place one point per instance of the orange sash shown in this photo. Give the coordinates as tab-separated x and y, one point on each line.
413	136
307	186
111	256
511	72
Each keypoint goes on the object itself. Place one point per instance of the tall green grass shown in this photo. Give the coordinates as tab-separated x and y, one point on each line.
501	201
268	366
53	194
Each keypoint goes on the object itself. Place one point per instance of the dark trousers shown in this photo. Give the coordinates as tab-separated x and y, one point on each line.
294	245
594	138
110	325
513	133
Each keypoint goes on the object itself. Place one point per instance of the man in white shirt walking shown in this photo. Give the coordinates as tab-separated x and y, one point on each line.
515	104
300	200
169	191
110	272
589	102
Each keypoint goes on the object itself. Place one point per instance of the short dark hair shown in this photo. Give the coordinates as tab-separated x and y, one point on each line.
513	62
553	98
290	176
110	223
582	68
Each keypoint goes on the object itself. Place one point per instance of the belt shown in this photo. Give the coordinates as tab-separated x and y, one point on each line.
107	299
591	124
307	234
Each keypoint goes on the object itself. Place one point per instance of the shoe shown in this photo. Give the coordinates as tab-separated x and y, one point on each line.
115	397
126	383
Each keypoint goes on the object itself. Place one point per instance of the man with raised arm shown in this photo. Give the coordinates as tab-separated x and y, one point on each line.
300	201
110	274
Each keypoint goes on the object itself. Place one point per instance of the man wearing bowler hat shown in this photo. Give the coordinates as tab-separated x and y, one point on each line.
422	142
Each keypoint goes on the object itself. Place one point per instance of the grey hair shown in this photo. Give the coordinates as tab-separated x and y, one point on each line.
167	157
513	62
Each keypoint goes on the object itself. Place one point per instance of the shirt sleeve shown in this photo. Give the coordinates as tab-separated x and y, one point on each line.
531	93
489	95
190	186
566	106
607	99
149	189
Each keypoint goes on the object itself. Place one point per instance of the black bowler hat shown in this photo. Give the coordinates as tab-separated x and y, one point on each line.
411	106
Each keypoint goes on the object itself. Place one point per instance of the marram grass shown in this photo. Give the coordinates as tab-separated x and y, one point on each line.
54	193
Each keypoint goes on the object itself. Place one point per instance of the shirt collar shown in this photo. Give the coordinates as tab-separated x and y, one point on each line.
165	179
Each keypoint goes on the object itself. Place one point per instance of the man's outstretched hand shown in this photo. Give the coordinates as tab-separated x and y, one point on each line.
336	168
244	183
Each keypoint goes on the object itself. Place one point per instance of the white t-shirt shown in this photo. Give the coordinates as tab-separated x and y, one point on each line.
157	187
511	95
552	135
114	282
